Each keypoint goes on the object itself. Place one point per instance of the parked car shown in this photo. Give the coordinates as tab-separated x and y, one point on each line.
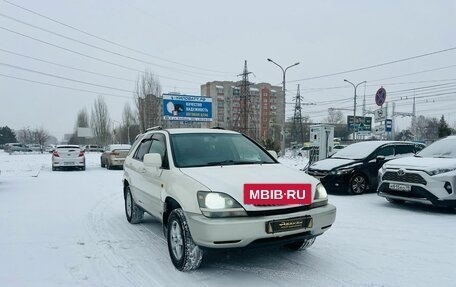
50	148
354	169
16	147
68	156
428	177
114	155
35	147
93	148
204	185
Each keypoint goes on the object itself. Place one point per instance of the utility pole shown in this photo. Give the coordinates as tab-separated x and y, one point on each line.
284	71
297	132
354	106
242	123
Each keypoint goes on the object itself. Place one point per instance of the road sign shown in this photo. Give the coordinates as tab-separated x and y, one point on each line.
379	130
361	123
388	125
380	97
380	115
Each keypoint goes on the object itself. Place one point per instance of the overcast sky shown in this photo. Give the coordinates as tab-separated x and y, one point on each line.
188	43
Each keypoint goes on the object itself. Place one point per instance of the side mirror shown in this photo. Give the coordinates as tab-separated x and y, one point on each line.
380	158
273	153
152	160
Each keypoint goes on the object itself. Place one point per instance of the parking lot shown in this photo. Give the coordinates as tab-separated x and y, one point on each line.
68	228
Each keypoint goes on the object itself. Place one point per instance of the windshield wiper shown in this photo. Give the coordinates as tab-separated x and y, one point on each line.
234	162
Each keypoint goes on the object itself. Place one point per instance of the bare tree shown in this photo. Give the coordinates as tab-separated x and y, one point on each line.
82	120
25	135
100	121
148	100
335	117
40	136
129	119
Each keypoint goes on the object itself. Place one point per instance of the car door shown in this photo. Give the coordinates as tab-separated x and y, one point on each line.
376	160
137	170
153	179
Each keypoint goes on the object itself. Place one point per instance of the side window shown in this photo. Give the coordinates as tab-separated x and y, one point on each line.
143	148
159	146
404	149
386	151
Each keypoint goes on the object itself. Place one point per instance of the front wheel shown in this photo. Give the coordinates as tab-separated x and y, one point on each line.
358	184
184	253
302	244
133	212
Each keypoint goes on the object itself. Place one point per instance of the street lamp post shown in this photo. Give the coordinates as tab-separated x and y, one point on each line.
354	106
284	71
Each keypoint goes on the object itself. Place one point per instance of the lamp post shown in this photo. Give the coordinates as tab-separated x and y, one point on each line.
354	106
284	71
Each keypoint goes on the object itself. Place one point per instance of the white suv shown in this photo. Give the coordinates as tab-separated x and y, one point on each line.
428	177
214	188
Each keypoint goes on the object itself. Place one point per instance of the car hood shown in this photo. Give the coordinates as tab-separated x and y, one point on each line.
230	179
422	163
331	163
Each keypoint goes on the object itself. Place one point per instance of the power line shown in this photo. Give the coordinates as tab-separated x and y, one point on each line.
112	42
63	78
102	49
65	87
375	66
65	66
91	57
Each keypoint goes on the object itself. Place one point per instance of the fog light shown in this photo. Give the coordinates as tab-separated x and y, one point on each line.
448	188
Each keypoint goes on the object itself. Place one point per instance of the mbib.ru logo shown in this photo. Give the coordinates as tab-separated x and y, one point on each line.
279	194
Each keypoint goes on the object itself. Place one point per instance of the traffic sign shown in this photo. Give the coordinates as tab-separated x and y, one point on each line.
388	125
379	130
380	115
380	97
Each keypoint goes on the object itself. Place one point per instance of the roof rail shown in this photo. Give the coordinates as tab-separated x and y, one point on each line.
218	128
156	128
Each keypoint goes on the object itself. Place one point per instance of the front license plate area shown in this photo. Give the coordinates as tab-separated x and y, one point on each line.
400	187
68	163
276	226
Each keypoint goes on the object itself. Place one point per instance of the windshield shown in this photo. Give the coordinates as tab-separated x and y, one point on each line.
207	149
442	148
357	150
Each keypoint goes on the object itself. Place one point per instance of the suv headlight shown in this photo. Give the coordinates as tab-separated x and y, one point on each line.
341	171
320	192
440	170
218	204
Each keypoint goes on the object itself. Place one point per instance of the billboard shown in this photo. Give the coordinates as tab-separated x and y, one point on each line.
361	124
187	108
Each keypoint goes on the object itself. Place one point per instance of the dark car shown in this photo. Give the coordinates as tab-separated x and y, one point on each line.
354	169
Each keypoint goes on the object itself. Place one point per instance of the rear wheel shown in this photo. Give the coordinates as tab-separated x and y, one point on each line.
302	244
184	253
133	212
102	163
358	184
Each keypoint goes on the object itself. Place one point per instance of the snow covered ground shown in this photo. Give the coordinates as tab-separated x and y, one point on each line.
67	228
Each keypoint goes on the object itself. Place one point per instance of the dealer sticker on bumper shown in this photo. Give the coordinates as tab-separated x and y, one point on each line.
278	194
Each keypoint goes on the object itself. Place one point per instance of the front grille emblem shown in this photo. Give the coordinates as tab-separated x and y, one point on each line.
401	172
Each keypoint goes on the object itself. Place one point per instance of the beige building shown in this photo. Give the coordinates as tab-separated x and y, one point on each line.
265	110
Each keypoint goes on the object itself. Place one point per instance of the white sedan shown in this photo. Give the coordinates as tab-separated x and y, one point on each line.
68	156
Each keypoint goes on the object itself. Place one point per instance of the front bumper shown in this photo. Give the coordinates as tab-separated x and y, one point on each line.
241	231
429	189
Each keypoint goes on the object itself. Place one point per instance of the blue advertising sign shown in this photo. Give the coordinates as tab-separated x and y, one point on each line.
187	108
388	125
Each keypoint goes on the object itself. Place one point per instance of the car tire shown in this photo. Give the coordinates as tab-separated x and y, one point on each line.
357	184
395	201
102	164
133	212
302	244
83	168
54	168
185	254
